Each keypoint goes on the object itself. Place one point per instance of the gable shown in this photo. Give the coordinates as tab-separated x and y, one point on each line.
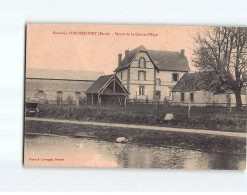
109	84
142	55
162	60
109	89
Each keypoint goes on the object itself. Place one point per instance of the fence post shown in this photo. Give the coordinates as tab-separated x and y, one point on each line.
125	104
230	103
189	106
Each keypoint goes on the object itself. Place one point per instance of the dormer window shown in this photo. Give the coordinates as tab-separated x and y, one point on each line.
142	62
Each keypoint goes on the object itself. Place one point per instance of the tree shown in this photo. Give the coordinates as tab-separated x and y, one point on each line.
223	50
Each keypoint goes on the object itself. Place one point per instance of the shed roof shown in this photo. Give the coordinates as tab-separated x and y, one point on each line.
163	60
98	84
104	85
62	74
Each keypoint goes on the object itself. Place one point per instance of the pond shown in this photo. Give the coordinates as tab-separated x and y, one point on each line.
62	151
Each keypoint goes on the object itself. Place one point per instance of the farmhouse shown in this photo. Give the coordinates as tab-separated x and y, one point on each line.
151	74
199	89
58	86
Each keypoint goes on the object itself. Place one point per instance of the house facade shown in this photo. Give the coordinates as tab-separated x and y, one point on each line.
198	89
58	86
151	74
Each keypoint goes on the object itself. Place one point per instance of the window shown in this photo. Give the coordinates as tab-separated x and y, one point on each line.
142	62
158	82
41	94
141	90
182	97
175	77
78	93
192	97
158	95
141	75
121	75
59	92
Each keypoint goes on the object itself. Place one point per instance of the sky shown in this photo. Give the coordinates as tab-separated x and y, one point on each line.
96	47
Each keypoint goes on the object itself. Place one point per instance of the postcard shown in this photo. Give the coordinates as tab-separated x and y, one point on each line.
135	96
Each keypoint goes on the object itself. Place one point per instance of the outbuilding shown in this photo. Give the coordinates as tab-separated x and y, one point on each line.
58	86
200	89
105	90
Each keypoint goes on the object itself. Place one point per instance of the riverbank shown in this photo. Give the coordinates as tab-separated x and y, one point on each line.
204	142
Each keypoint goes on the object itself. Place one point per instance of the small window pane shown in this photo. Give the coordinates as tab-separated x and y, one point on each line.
175	77
192	97
182	97
158	95
142	62
141	90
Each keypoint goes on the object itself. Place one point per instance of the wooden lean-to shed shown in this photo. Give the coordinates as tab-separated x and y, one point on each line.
107	90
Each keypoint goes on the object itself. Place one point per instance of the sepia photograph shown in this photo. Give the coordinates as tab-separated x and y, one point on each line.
135	96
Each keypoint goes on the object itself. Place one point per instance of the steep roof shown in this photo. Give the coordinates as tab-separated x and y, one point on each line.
62	74
168	60
98	84
128	58
104	85
196	82
163	60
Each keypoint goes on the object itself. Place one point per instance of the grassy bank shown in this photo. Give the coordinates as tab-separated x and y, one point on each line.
145	114
143	137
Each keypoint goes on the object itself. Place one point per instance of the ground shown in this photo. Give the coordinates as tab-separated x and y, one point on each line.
209	143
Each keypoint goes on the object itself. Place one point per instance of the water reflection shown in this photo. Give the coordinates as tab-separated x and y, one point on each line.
83	152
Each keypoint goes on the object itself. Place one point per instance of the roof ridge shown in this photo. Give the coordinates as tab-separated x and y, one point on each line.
164	51
63	70
138	48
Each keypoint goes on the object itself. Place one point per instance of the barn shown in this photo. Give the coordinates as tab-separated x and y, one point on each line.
199	89
58	86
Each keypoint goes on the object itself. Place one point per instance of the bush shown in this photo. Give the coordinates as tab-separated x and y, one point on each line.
69	100
147	100
200	121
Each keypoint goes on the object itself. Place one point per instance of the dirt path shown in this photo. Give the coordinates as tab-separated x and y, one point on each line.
155	128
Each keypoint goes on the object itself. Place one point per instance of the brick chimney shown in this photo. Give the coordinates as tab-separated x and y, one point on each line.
119	59
126	52
182	53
